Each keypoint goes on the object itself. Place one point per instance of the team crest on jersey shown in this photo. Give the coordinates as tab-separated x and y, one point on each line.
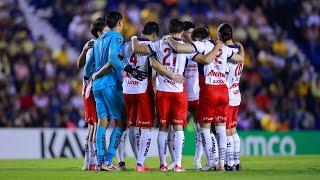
118	40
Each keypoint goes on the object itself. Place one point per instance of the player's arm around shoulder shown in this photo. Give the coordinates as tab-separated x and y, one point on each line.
211	56
82	57
89	63
116	44
155	64
179	47
108	67
140	48
238	57
104	70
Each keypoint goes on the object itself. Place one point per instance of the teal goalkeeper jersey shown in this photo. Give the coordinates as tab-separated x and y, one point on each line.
107	48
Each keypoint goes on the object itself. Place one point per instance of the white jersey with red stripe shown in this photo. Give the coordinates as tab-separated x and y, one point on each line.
174	62
87	85
130	84
234	71
215	72
192	80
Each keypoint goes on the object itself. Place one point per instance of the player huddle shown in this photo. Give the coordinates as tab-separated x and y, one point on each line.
135	82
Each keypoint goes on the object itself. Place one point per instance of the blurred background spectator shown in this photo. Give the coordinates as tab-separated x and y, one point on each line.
280	83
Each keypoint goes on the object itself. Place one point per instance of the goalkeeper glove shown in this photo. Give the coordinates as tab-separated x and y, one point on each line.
135	72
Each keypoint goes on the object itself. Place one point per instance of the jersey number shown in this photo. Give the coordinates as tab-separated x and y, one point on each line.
238	70
218	55
168	53
133	59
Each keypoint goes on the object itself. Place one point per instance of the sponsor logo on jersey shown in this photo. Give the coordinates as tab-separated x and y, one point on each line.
234	85
217	82
144	122
178	121
169	81
118	40
133	83
221	118
236	92
163	121
216	74
208	118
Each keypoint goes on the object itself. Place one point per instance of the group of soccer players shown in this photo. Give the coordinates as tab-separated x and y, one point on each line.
133	83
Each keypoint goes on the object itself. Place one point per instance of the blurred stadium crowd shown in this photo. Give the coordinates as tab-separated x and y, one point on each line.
280	83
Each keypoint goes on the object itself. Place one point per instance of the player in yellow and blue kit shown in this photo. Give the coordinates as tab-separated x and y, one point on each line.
107	88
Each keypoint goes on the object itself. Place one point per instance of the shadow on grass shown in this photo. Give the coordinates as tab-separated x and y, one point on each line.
130	171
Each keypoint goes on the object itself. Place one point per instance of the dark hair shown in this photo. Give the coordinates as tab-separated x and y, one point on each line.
200	32
101	19
96	26
150	28
188	25
113	19
175	26
225	31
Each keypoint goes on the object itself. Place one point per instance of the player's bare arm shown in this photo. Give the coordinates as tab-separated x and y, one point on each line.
238	57
180	48
82	57
162	70
139	48
104	70
211	56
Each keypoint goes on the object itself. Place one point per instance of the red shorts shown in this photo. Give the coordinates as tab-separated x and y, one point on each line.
232	116
172	108
90	113
140	109
213	103
193	106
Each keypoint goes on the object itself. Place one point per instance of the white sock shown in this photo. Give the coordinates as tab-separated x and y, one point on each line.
91	153
86	154
162	146
199	146
236	154
178	144
95	160
171	144
230	151
121	147
86	149
133	134
145	141
215	149
222	143
207	145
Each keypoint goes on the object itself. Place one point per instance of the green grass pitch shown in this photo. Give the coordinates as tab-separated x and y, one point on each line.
297	167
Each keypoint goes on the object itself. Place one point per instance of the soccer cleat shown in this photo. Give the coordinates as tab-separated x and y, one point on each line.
179	169
197	166
207	168
122	166
222	166
163	168
84	167
110	167
142	168
238	167
93	167
171	165
86	158
211	168
229	168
